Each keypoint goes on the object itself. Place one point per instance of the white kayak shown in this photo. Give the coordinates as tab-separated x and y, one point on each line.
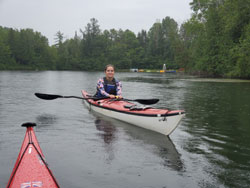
163	121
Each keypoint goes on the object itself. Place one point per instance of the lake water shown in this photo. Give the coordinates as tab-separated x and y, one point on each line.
210	147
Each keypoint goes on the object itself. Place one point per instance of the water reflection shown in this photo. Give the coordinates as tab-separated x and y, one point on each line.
219	128
152	80
162	145
107	133
45	120
156	78
107	130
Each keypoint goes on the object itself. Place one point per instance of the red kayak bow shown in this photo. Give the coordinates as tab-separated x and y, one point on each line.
31	169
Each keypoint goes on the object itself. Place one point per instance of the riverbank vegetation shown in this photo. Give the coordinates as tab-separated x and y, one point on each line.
215	41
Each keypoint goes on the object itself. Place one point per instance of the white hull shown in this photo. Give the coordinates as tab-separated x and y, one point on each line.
163	125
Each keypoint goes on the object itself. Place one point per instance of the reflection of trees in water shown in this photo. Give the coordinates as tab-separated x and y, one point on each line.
163	147
218	124
152	80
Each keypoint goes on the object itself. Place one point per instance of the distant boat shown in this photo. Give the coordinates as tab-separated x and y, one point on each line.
170	71
167	71
134	70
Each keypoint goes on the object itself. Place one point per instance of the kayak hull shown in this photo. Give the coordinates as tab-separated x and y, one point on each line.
30	169
159	120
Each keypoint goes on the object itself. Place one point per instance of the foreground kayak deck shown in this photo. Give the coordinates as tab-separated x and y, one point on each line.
30	169
163	121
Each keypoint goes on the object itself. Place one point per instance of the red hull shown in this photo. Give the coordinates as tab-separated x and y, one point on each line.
30	169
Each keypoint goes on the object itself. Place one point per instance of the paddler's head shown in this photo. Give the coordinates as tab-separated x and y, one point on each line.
109	71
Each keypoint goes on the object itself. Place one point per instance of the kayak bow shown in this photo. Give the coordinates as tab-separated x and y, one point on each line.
31	169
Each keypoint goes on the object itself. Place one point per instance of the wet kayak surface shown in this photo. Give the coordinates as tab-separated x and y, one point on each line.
210	147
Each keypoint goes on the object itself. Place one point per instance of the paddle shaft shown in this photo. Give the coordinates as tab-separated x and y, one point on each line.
79	97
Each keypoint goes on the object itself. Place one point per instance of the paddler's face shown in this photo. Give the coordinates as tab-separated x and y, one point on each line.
110	72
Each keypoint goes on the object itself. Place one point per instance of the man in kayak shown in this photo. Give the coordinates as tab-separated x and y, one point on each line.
109	86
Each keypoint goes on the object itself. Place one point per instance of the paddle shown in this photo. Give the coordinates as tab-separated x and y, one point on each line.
52	97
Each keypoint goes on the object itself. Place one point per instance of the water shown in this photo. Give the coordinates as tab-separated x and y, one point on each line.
210	148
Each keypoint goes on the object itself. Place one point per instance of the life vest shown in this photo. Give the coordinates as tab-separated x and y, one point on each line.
109	87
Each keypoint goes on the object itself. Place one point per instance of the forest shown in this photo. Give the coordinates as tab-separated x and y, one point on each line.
214	42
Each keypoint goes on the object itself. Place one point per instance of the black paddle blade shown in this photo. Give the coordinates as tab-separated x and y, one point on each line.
147	101
47	96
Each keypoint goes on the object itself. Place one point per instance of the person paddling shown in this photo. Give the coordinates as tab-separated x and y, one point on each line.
108	86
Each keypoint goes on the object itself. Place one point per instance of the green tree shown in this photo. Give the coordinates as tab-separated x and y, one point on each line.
58	39
192	35
220	41
6	60
171	42
155	46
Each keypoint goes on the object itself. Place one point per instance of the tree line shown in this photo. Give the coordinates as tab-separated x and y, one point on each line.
215	41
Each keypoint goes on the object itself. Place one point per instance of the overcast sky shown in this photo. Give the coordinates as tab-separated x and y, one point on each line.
68	16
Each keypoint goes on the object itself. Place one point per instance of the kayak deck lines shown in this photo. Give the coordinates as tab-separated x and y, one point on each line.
134	109
31	169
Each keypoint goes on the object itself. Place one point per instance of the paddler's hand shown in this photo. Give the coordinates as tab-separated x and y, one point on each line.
112	96
115	97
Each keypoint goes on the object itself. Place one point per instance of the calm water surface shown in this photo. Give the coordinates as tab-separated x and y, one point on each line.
210	148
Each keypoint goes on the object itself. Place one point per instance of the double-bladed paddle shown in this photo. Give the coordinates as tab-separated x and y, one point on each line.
52	97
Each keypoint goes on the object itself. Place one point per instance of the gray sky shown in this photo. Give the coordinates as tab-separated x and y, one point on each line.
68	16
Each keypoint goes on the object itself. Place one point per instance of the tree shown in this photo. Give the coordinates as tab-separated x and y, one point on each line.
170	40
91	38
6	60
58	39
193	37
155	34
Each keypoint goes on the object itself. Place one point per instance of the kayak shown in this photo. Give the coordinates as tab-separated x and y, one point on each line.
163	121
31	169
